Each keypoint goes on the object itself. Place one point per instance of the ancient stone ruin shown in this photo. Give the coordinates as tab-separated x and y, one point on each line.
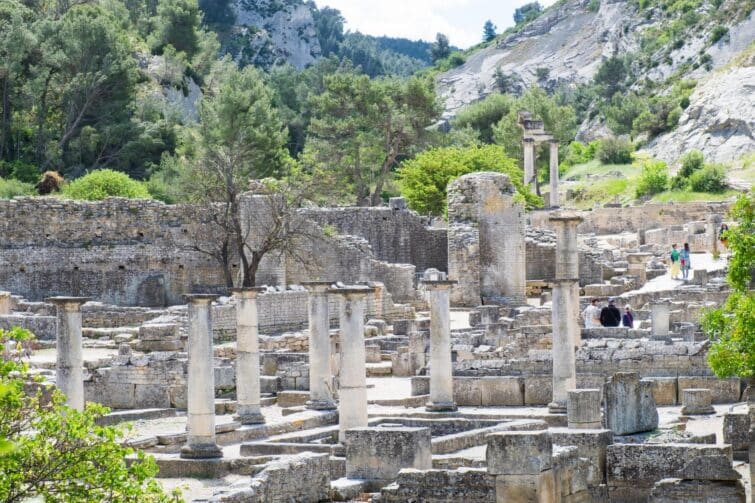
414	362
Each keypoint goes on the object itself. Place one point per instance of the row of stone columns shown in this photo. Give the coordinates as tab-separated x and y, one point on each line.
530	176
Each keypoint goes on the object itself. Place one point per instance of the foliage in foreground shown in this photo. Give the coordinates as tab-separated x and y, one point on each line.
423	180
732	326
103	183
58	454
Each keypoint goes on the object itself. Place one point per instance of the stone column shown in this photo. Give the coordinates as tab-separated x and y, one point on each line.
200	391
567	250
320	377
441	379
352	404
247	356
564	359
583	409
4	303
529	163
69	375
554	173
660	312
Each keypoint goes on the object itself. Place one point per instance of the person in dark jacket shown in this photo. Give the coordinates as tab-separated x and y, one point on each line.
610	316
627	320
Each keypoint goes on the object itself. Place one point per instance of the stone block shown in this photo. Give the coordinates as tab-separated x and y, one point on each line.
292	398
268	384
499	391
722	390
158	332
591	444
378	453
674	490
663	389
225	377
629	404
420	385
737	431
696	401
402	327
372	354
537	488
151	396
583	408
518	453
538	390
467	391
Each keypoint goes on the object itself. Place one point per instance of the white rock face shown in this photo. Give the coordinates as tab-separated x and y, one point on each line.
720	120
267	32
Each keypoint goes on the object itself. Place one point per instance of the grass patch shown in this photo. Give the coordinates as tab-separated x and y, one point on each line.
683	196
595	168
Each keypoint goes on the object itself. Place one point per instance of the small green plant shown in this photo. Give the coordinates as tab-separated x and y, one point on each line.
103	183
593	5
653	180
329	231
717	33
13	188
691	162
615	151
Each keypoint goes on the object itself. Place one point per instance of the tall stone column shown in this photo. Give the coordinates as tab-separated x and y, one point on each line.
529	163
441	379
352	391
200	391
565	310
320	377
69	375
554	173
4	303
660	313
247	356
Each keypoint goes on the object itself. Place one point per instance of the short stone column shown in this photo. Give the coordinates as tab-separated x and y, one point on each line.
637	263
200	393
554	174
441	379
69	376
660	313
522	464
696	401
564	358
583	409
320	377
529	163
4	303
247	356
352	391
567	247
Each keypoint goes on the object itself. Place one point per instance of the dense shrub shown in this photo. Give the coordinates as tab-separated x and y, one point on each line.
653	180
615	151
579	153
13	188
691	162
19	170
103	183
718	33
483	115
711	178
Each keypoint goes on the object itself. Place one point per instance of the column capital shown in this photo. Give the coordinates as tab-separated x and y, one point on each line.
438	284
68	303
248	292
528	139
553	143
565	217
317	287
565	281
352	291
200	298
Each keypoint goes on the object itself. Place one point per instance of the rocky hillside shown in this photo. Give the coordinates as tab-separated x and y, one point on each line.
667	41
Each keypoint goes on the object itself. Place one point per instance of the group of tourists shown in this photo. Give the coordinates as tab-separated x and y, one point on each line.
680	261
607	316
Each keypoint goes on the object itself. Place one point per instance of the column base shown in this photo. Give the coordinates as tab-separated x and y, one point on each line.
321	405
698	411
201	451
441	407
250	418
556	408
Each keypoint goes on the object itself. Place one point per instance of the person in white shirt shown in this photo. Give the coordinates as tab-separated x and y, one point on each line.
591	315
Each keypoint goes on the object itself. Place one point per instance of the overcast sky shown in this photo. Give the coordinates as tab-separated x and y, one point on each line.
460	20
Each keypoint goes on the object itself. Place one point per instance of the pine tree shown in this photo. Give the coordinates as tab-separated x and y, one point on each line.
488	31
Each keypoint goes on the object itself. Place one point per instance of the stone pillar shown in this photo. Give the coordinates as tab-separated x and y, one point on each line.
69	375
320	377
529	163
247	356
352	404
637	264
200	393
712	226
583	409
441	380
567	249
554	173
4	303
564	358
660	312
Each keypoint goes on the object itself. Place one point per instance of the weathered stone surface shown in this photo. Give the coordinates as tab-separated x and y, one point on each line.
696	401
379	453
630	407
518	453
736	430
440	486
674	490
592	444
583	408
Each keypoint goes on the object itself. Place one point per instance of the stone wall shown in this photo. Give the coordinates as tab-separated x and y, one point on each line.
436	486
637	218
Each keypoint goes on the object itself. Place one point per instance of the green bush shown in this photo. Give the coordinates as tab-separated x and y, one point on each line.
711	178
653	180
579	153
19	170
718	33
691	162
104	183
456	59
13	188
615	151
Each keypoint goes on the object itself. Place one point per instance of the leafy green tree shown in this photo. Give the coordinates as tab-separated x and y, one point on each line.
653	179
488	31
177	24
440	49
329	27
732	326
615	151
361	129
611	76
485	114
423	179
103	183
691	162
711	178
56	454
527	12
622	110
